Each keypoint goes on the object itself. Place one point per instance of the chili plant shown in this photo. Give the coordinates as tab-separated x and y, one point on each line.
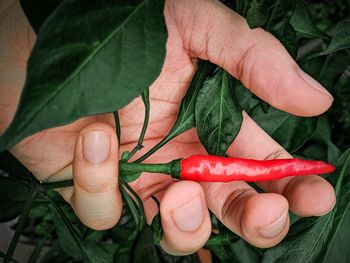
315	33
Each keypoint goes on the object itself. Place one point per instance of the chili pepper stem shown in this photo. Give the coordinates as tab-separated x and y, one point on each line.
171	168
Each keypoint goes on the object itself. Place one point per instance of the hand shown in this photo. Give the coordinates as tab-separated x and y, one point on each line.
87	149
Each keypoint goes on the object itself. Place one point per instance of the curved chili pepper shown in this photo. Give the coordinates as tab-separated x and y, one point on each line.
209	168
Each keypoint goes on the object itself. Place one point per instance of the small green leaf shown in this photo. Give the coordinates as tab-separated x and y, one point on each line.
90	57
13	196
303	24
341	38
186	116
288	130
217	113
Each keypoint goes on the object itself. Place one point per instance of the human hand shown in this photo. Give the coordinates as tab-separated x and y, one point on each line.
88	147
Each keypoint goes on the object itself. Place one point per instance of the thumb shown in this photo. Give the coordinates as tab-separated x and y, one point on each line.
254	56
96	198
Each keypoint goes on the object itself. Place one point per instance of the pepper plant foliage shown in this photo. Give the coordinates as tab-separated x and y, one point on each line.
114	60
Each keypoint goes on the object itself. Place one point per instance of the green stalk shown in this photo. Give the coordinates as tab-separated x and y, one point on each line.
117	125
172	168
146	102
155	148
36	253
56	185
21	223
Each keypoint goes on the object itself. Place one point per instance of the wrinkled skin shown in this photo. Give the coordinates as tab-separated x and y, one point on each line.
197	29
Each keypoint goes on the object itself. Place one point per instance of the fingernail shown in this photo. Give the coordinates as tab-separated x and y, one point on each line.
312	82
96	146
275	228
189	216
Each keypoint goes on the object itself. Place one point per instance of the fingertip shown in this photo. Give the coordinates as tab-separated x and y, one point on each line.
185	218
310	196
96	198
265	219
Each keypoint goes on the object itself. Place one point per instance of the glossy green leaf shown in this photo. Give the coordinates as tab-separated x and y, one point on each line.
307	240
341	38
186	116
90	57
275	16
303	23
37	11
288	130
13	197
337	249
327	69
217	113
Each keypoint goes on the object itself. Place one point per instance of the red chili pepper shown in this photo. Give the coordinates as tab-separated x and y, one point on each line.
209	168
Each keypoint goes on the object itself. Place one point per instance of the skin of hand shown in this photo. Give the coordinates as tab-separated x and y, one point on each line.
88	148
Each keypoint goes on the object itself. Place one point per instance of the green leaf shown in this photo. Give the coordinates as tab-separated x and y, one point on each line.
275	16
288	130
217	113
145	249
258	14
12	166
308	237
341	38
337	247
90	57
303	243
97	252
327	69
13	196
37	11
303	24
156	224
186	117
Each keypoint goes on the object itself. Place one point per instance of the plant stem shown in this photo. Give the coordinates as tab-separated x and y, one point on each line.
155	148
145	99
164	168
117	125
141	219
20	227
55	185
36	253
